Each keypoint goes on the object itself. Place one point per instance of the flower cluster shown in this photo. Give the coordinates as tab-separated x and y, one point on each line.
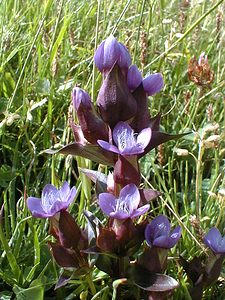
117	132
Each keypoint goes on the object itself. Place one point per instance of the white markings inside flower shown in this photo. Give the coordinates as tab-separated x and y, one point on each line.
125	206
126	139
48	200
52	200
122	206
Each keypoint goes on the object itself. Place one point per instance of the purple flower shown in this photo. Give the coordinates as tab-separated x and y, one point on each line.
134	77
126	141
157	233
124	207
52	201
110	52
93	127
215	241
153	83
81	98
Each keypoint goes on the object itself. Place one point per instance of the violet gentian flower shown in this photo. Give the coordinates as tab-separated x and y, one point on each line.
124	207
157	233
215	241
126	141
52	201
153	83
110	52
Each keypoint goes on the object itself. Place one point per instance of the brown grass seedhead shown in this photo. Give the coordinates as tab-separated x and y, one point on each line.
199	71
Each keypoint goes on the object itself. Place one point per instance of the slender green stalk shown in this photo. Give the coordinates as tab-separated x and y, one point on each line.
91	284
11	258
198	181
96	44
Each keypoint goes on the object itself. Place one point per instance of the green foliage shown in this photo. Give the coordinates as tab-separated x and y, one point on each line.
46	47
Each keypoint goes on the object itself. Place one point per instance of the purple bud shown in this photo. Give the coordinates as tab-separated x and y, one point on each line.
115	101
92	126
153	83
52	201
134	77
157	233
111	52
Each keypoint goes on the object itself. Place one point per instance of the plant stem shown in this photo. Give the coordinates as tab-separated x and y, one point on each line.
11	258
198	188
91	284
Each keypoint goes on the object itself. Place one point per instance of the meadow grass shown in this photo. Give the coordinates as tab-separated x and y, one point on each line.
47	47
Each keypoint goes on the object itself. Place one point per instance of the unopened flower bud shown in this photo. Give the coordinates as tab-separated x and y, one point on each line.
93	127
111	52
134	77
153	83
115	101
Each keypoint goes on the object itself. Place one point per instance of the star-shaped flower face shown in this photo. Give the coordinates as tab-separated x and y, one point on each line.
52	201
126	141
124	207
157	233
215	241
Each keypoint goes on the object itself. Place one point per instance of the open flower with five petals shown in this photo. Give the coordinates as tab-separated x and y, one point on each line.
124	207
126	141
52	200
157	233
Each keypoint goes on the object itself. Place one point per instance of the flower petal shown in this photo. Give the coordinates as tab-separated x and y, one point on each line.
124	60
35	207
168	242
134	150
49	196
99	56
123	136
107	203
159	226
134	77
140	211
65	190
120	215
153	83
79	97
212	239
130	195
107	146
144	137
111	52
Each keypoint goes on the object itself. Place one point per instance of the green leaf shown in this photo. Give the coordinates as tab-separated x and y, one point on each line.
5	295
34	292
